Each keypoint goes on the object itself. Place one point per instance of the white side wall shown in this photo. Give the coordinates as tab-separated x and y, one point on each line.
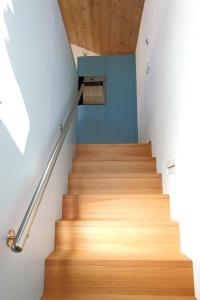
169	108
79	51
38	81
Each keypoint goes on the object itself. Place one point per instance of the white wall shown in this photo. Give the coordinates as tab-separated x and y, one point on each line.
169	108
79	51
38	81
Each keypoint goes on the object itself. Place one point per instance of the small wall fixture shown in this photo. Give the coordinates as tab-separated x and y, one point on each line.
147	68
10	238
171	167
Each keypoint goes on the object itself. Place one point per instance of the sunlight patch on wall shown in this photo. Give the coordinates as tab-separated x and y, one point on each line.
13	112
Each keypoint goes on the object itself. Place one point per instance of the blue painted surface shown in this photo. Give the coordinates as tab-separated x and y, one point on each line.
92	124
121	99
91	65
115	122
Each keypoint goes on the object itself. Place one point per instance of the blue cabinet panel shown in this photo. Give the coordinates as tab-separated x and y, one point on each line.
115	122
91	65
91	124
121	99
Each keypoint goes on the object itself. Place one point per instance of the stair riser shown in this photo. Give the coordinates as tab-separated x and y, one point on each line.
124	209
125	240
112	152
141	280
116	297
113	167
87	185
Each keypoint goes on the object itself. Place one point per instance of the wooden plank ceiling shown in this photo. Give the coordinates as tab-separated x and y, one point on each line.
103	26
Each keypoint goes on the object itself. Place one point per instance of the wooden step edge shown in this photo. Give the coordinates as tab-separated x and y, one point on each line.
121	175
84	161
116	223
116	297
92	258
134	158
91	177
117	196
114	175
148	145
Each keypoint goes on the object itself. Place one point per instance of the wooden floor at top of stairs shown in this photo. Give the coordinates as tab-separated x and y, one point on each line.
117	297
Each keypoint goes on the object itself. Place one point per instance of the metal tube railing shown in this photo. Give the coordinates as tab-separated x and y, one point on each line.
17	241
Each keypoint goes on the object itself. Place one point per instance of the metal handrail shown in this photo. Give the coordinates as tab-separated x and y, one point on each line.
17	241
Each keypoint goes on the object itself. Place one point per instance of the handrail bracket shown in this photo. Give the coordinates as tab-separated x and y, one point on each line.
10	238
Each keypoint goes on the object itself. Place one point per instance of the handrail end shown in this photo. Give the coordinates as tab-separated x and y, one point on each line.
11	241
16	249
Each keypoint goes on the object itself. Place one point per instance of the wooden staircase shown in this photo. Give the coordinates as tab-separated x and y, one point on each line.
115	240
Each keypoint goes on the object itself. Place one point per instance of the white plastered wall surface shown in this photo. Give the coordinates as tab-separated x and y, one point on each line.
79	51
38	81
168	91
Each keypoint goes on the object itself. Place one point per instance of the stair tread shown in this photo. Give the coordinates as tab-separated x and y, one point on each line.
136	238
115	223
117	196
118	175
102	159
116	207
89	257
114	166
102	151
116	297
114	145
119	185
135	159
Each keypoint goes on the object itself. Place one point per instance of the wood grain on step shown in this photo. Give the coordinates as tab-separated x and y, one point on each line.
145	278
124	207
139	185
85	167
141	239
116	297
112	152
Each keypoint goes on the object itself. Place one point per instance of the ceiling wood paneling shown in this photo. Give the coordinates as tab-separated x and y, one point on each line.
103	26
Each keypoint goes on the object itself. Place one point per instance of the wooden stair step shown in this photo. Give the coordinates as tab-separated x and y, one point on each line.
131	145
95	257
118	175
91	275
138	185
85	167
117	297
125	207
112	151
141	239
116	240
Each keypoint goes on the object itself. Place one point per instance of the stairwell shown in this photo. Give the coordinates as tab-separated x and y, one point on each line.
115	240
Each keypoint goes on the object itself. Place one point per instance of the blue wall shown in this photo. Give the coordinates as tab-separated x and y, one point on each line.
115	122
